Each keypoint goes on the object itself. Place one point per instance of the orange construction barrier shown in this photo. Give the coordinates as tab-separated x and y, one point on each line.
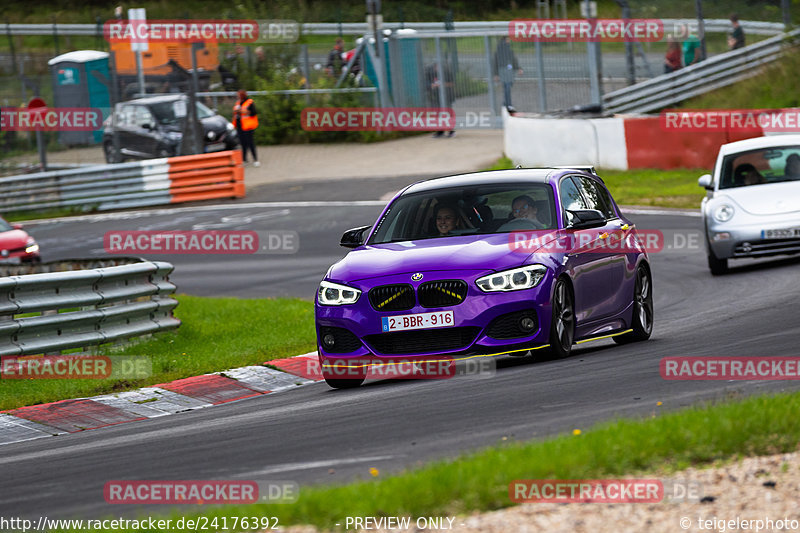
206	176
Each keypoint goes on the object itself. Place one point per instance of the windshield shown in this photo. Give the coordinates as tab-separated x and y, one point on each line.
757	167
165	112
5	226
444	213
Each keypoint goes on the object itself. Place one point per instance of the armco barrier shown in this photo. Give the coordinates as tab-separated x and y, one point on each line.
620	143
137	184
113	303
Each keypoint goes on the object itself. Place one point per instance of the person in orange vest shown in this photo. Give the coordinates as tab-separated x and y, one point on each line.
245	120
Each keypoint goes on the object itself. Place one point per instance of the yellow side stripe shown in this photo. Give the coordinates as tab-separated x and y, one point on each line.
469	356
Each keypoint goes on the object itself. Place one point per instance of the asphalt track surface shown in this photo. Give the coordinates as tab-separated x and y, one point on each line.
315	435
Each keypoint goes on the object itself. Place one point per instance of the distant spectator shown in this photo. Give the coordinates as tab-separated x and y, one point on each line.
692	53
245	120
434	79
504	65
672	59
335	61
261	61
736	36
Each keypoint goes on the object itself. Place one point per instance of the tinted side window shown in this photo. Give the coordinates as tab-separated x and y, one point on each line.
571	199
598	197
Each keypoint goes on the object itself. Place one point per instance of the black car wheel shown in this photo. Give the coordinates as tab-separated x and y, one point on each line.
562	326
718	267
642	322
111	155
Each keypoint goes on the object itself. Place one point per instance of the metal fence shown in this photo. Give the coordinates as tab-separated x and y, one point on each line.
81	308
719	71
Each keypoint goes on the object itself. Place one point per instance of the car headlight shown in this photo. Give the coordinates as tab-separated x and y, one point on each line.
335	294
31	246
512	280
723	213
174	135
229	126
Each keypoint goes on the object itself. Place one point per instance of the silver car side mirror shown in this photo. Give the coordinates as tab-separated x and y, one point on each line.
705	182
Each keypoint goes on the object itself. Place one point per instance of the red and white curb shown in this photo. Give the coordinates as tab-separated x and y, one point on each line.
71	416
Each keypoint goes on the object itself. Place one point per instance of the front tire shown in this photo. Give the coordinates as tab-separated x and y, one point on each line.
111	155
562	325
642	322
344	383
717	266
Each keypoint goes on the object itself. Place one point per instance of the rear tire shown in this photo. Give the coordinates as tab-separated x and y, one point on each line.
642	322
562	325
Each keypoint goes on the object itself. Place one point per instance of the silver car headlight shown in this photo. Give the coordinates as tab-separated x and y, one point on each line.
516	279
723	213
335	294
174	135
229	126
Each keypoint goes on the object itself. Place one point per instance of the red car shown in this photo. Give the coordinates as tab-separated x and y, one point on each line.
16	246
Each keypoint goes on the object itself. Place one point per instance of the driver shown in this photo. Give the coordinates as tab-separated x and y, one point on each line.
523	207
446	219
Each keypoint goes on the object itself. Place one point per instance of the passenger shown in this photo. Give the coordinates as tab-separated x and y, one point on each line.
446	219
746	174
792	170
524	207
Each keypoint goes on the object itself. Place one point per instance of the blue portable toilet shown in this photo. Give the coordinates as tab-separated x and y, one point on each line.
81	79
404	70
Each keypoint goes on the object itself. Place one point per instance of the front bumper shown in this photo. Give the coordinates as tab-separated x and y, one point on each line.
747	240
484	323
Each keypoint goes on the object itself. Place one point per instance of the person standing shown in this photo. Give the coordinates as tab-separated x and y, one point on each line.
245	120
692	52
672	59
504	66
435	77
736	36
335	62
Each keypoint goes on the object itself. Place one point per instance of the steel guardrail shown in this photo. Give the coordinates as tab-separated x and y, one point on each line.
121	185
360	28
715	72
83	308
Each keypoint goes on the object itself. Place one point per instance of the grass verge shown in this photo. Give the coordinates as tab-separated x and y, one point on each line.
650	187
479	481
211	339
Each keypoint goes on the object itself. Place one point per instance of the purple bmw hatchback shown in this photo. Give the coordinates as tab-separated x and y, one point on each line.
488	263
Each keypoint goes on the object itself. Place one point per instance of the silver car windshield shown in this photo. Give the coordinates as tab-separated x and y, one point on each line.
486	209
759	167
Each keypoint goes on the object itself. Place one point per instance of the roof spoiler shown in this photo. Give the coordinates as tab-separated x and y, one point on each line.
584	168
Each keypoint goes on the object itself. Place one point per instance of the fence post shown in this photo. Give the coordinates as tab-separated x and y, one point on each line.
55	36
540	75
490	79
440	72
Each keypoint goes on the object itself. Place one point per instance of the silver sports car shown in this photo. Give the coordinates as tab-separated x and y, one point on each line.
752	208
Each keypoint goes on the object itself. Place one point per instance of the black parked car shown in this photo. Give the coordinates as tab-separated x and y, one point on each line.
151	127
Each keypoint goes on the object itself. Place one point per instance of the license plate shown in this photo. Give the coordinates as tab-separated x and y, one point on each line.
215	147
791	233
439	319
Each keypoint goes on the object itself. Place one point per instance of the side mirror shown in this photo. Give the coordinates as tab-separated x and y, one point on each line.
353	238
705	182
17	226
587	219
